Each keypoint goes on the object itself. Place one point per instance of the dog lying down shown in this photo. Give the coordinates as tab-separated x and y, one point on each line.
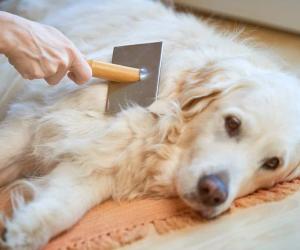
226	123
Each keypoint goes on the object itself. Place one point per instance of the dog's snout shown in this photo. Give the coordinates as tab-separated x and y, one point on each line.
212	190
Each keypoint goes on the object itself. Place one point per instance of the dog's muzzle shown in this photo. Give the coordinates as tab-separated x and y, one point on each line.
212	190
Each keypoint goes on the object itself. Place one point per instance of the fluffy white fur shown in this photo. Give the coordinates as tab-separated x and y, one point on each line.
86	157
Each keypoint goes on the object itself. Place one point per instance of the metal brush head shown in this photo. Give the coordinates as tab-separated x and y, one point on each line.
146	57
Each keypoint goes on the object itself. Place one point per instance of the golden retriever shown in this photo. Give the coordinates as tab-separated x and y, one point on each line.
226	122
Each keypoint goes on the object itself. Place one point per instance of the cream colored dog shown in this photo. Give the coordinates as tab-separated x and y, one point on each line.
226	123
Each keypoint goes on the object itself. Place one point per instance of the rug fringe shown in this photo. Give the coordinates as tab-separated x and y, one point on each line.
110	240
176	222
276	193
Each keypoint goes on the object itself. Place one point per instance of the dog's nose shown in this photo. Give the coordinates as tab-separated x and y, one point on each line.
212	190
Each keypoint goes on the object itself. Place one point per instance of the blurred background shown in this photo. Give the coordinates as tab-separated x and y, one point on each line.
274	24
282	14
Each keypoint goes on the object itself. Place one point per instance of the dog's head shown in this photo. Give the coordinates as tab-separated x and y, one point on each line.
241	132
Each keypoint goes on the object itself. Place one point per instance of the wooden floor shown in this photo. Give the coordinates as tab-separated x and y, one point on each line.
271	226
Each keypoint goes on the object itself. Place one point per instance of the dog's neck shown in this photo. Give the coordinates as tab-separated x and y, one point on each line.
144	154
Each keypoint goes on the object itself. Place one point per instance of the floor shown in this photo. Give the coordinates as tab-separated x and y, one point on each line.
272	226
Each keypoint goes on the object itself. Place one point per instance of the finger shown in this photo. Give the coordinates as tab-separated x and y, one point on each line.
80	70
57	77
72	76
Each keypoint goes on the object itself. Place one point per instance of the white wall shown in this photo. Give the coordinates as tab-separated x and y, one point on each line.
284	14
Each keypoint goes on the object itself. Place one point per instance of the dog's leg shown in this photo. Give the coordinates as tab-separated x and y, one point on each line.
66	195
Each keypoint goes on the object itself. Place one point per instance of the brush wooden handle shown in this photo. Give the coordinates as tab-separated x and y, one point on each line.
114	72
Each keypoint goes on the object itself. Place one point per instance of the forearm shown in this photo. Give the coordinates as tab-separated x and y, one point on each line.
6	22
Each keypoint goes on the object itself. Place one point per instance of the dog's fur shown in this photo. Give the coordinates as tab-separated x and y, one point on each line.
86	157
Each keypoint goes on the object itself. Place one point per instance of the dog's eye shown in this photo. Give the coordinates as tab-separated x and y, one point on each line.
271	163
232	125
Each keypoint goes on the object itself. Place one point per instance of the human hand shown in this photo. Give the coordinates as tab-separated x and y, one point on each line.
40	51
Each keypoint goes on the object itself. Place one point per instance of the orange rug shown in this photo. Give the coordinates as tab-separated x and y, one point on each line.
111	225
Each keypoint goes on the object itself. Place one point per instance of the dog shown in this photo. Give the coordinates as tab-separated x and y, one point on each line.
226	122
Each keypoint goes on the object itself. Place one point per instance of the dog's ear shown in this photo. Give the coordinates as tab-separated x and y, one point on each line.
196	89
199	88
168	116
